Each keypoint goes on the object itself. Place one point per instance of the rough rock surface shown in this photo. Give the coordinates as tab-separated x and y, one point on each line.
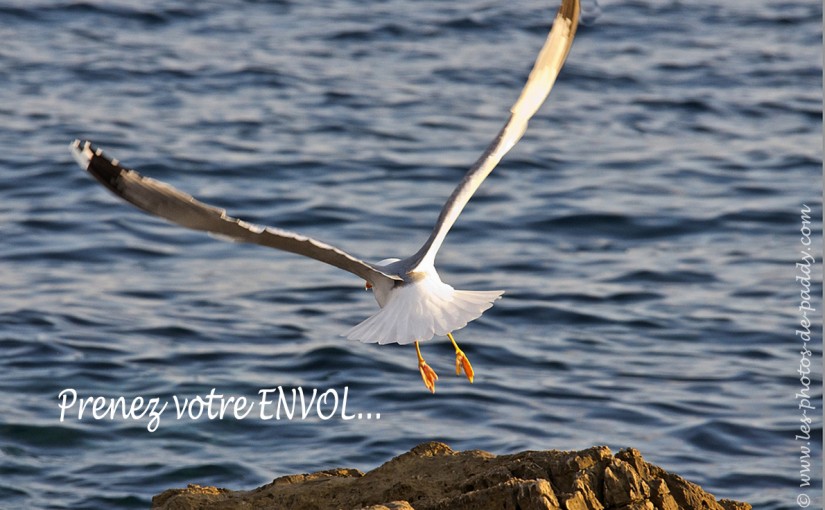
431	476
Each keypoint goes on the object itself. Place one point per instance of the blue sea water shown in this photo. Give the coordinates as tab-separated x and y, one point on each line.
646	231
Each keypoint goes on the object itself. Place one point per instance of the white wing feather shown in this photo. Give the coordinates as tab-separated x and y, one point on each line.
535	91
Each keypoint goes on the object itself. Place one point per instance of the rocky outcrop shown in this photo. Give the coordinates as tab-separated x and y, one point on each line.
431	476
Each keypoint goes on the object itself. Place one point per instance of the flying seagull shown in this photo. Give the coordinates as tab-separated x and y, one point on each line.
415	304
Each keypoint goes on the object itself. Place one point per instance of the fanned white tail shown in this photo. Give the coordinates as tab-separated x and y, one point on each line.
420	310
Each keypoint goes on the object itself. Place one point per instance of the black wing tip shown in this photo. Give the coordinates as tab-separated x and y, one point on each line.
571	10
92	159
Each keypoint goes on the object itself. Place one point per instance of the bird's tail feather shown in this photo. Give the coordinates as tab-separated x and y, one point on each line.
418	314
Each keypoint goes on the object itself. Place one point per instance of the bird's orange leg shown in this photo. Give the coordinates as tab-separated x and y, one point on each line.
427	373
461	360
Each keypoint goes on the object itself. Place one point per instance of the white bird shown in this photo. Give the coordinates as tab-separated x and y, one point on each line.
415	304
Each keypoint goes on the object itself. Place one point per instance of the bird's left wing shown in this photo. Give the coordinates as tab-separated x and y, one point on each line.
163	200
535	91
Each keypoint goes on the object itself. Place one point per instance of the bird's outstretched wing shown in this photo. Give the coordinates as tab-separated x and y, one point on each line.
163	200
541	80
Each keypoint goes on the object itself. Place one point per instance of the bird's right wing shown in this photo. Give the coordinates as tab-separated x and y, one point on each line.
163	200
535	91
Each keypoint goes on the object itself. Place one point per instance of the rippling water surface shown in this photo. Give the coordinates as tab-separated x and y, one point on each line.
645	230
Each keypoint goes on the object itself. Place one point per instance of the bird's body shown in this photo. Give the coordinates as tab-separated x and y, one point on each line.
415	304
